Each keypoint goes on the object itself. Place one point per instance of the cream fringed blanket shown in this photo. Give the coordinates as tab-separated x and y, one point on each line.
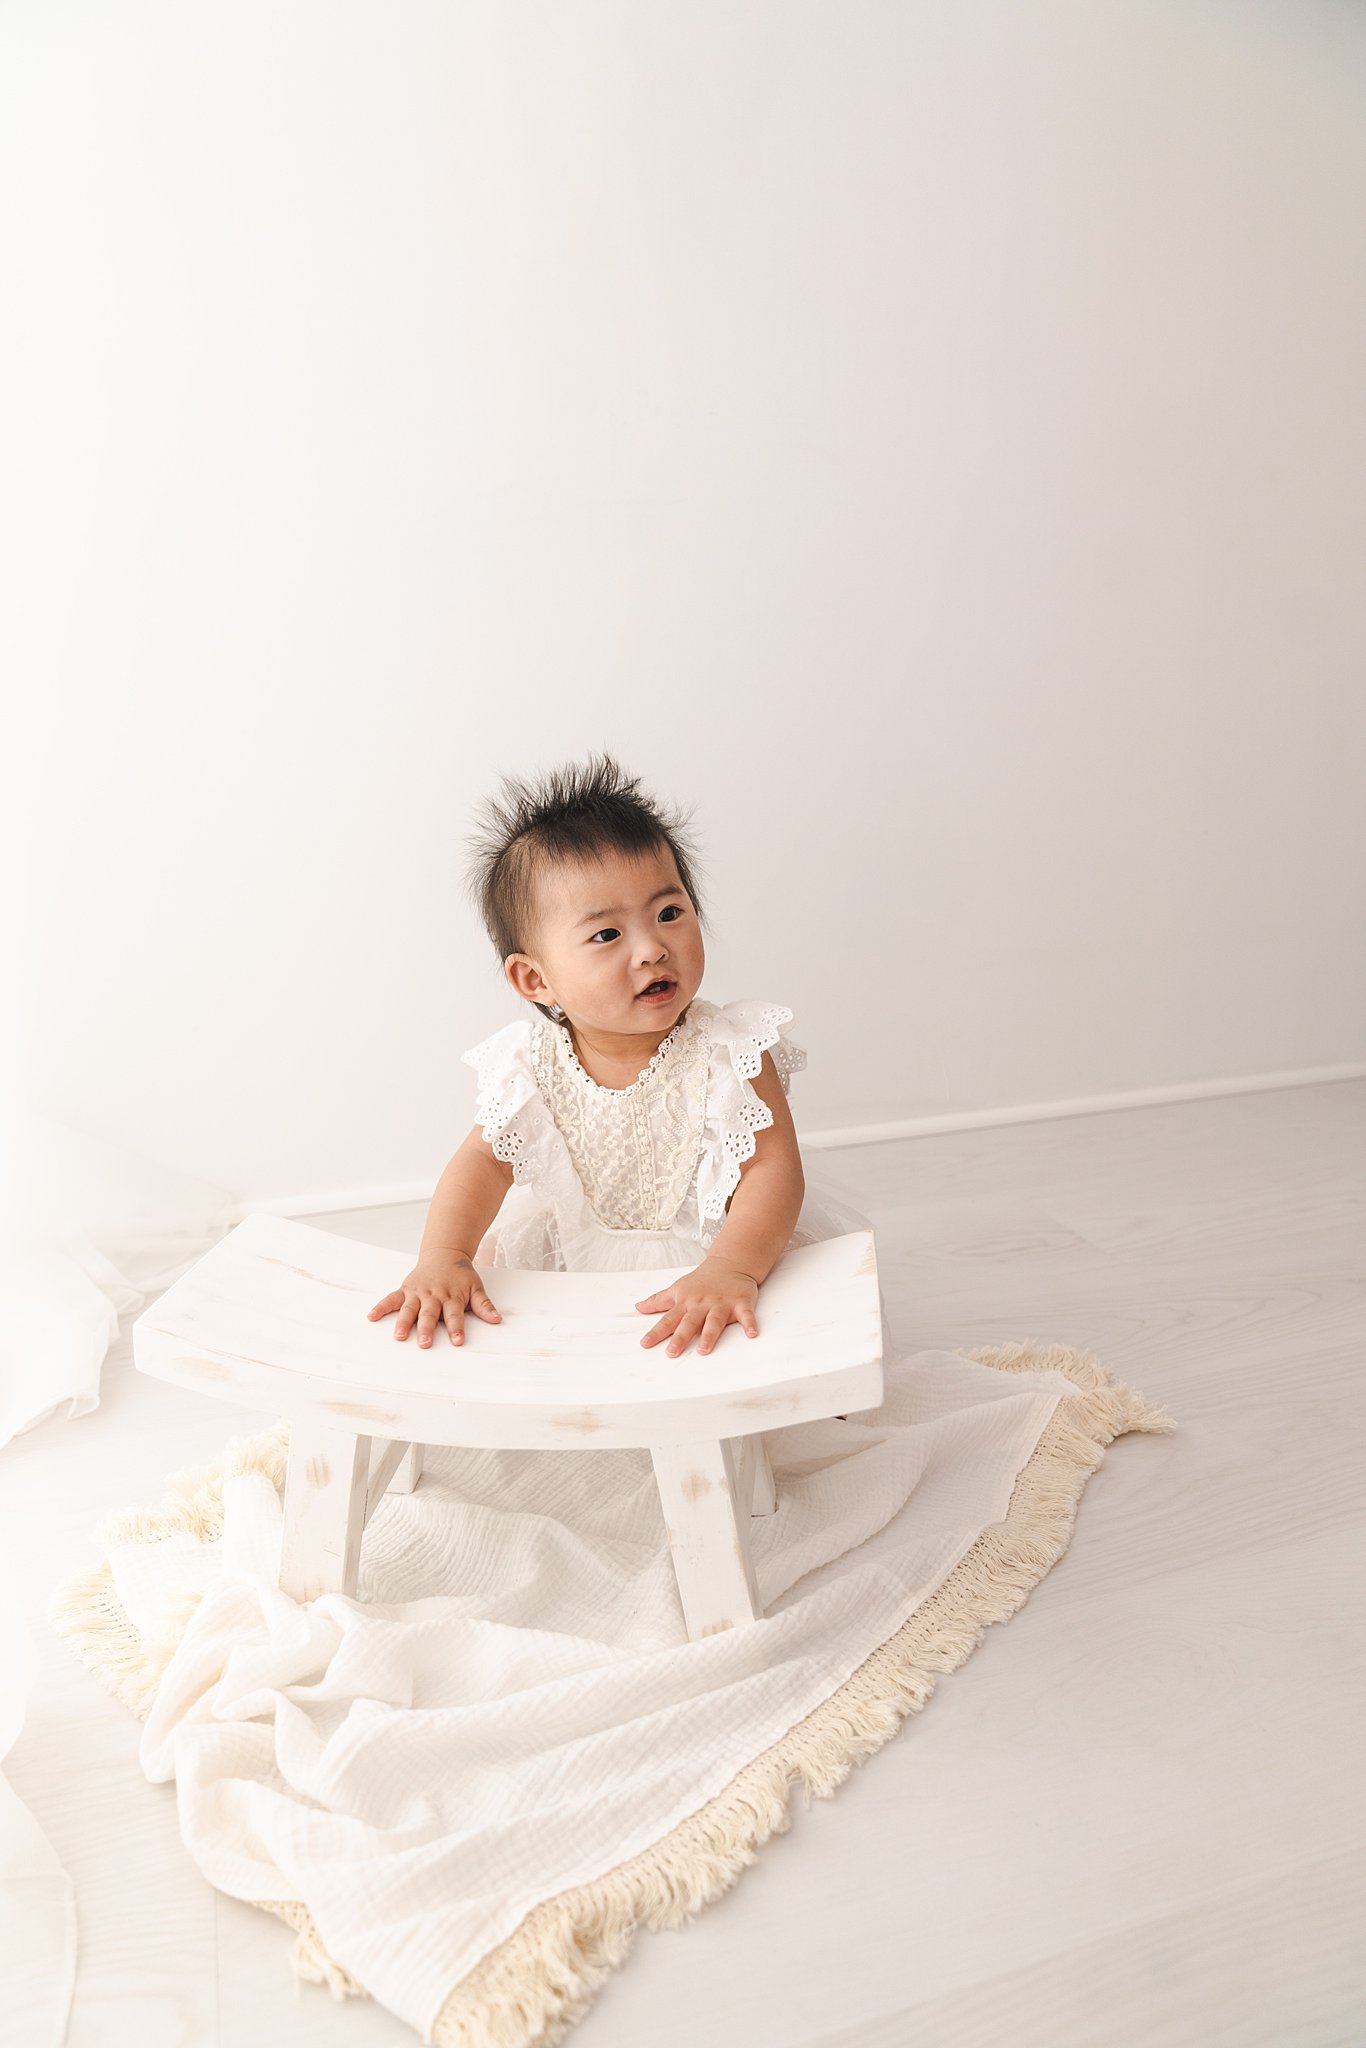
466	1789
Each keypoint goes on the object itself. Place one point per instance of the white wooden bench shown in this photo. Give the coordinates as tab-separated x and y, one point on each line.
274	1317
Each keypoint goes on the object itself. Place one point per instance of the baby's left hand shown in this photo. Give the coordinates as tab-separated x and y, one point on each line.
707	1299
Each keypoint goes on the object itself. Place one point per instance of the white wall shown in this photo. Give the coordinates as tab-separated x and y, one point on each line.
928	438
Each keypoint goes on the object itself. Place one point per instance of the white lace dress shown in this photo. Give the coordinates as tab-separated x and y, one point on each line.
609	1179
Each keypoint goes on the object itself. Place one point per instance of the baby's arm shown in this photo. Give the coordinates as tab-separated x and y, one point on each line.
762	1213
444	1282
760	1218
468	1196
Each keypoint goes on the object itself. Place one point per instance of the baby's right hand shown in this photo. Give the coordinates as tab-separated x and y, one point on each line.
439	1288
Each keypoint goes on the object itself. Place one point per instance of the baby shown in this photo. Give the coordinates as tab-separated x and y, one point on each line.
630	1122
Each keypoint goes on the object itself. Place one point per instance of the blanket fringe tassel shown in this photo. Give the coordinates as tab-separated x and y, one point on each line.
531	1989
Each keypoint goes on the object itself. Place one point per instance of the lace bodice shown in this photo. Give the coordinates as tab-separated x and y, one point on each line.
635	1149
660	1156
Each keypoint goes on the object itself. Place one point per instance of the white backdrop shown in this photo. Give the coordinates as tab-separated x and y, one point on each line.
928	439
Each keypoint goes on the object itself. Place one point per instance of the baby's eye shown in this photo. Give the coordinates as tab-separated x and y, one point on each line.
610	931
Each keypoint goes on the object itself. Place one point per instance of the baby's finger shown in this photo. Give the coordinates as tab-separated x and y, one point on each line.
427	1321
484	1307
661	1329
685	1332
712	1328
390	1301
455	1322
664	1299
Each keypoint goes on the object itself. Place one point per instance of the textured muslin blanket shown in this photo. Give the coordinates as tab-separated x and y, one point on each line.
469	1784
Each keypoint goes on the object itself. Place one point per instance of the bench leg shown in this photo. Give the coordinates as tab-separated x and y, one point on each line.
756	1474
708	1527
409	1470
765	1497
326	1477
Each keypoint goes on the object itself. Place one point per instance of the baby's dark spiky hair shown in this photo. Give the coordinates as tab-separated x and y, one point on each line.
571	813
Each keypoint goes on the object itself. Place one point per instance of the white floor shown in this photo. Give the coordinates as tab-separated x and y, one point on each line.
1135	1815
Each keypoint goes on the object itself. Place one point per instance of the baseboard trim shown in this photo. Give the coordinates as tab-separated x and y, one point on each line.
1081	1105
334	1201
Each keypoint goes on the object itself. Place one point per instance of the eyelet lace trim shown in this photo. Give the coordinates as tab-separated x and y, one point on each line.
751	1114
496	1108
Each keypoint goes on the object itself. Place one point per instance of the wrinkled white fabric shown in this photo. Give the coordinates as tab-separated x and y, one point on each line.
90	1230
511	1706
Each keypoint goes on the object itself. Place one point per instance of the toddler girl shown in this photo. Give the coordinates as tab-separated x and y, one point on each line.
630	1122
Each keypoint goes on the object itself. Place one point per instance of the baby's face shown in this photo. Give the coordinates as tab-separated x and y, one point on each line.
606	929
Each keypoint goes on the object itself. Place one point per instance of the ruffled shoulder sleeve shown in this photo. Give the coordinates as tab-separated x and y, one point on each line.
513	1113
741	1033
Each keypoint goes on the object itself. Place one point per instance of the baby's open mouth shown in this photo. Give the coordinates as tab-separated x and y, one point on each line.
655	988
